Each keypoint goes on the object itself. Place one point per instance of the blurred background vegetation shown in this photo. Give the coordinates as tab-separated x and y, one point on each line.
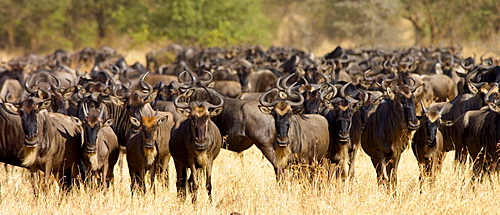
45	25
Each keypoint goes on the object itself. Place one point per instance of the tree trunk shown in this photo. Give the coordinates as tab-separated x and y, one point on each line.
100	18
11	35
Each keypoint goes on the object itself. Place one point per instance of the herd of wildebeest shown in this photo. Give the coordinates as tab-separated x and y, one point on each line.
70	115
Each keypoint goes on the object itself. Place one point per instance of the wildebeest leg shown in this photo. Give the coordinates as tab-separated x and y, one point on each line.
193	180
208	179
181	180
34	180
142	180
47	170
461	155
162	170
352	158
392	170
121	157
379	168
269	153
135	181
152	175
104	176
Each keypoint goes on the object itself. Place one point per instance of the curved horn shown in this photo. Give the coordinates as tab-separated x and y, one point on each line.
58	81
221	103
284	82
367	77
386	65
394	61
185	85
262	98
327	79
289	93
27	86
115	90
101	112
6	98
346	60
85	110
487	96
468	63
180	105
207	81
144	85
49	96
342	90
424	110
414	82
332	88
410	61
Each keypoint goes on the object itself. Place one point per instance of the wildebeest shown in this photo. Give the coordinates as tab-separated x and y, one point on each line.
294	140
389	129
478	131
52	141
427	142
195	143
147	149
100	145
339	112
11	137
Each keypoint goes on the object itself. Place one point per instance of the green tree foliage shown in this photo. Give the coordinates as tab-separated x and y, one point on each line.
453	20
210	22
45	25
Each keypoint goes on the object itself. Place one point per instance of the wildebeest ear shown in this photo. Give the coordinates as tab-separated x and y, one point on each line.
329	95
390	93
68	93
282	95
211	84
265	110
163	120
472	87
328	104
216	111
494	107
135	121
108	123
357	105
298	111
107	90
45	104
116	101
76	120
446	122
183	111
11	108
151	97
419	90
189	92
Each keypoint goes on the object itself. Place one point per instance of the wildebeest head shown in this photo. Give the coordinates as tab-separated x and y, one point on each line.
430	120
343	107
311	91
28	110
92	124
404	95
147	126
281	109
136	102
198	113
243	71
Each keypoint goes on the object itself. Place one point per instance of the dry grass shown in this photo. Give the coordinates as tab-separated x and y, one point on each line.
248	186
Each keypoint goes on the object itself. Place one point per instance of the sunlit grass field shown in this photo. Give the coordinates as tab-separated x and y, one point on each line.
247	185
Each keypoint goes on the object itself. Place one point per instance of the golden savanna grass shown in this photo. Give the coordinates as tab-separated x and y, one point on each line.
247	185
